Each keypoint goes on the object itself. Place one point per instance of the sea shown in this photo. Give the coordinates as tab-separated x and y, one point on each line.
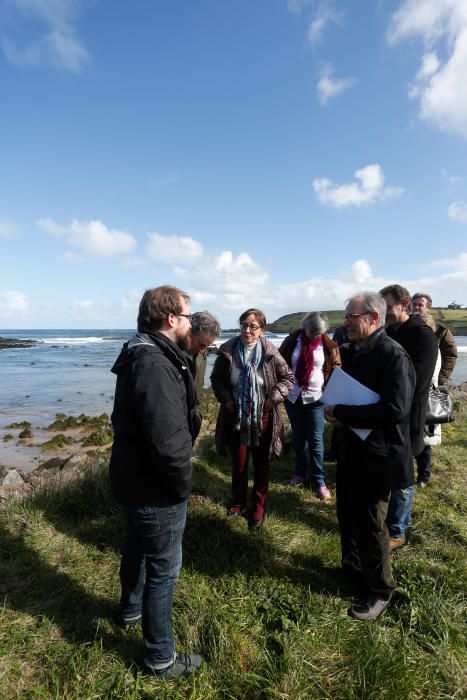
68	371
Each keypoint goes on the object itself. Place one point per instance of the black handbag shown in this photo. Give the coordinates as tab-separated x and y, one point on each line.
440	407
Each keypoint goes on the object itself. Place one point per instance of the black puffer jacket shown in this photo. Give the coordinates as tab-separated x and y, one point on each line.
421	344
384	366
152	448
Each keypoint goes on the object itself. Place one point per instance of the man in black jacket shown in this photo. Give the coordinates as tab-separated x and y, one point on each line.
367	468
420	342
150	471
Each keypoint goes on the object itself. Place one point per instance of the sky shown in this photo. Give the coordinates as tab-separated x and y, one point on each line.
280	154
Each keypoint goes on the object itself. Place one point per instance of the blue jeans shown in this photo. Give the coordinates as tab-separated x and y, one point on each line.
399	511
150	566
307	422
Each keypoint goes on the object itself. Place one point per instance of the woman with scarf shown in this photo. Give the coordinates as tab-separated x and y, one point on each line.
312	355
250	379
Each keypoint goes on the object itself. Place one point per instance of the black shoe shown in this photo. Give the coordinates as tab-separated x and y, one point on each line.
370	607
183	666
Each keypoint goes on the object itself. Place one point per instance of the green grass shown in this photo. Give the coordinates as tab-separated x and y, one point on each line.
262	609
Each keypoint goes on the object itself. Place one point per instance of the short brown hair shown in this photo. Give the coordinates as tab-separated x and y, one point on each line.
156	304
399	294
260	317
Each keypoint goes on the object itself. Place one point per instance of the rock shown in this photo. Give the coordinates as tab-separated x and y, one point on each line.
76	461
26	433
12	485
53	463
12	480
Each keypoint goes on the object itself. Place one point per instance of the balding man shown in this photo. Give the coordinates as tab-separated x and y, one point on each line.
367	469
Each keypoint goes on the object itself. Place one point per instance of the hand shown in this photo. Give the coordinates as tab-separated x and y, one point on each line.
230	406
269	405
329	415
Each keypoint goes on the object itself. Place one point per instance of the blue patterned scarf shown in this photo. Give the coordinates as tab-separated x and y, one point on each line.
249	400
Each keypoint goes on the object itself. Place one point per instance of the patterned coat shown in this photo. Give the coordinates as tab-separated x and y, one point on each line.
278	380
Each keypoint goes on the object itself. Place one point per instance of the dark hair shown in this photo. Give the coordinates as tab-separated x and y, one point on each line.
399	294
423	295
204	323
156	304
260	317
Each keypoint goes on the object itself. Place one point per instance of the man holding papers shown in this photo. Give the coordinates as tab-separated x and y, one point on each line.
372	458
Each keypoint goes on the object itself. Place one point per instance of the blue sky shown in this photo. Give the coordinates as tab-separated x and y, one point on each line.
273	153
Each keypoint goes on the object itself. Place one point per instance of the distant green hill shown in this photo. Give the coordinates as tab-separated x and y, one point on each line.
454	319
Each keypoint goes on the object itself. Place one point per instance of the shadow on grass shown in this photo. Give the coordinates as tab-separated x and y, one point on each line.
30	585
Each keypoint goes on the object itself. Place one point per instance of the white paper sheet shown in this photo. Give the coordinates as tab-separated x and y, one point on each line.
344	389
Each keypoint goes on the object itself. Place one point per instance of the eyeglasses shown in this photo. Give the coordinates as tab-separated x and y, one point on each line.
251	326
188	316
350	317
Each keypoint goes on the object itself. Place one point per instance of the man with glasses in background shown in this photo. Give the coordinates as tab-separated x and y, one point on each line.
366	469
151	472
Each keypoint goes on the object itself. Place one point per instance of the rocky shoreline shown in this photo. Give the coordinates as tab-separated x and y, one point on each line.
9	343
82	443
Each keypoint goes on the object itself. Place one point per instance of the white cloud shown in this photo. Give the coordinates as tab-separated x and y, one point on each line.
173	249
329	87
7	229
458	212
452	179
324	15
13	304
439	84
369	189
56	45
91	236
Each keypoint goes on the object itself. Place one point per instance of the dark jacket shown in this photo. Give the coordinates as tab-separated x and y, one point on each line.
197	366
420	343
332	357
448	349
384	366
151	453
341	335
278	380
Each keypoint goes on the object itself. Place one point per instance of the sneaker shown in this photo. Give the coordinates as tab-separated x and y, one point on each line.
183	666
369	608
296	480
396	542
422	484
323	493
236	511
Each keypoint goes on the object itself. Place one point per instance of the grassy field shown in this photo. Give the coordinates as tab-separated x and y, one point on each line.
264	610
454	319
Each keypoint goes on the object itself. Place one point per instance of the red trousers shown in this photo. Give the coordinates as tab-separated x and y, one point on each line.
260	458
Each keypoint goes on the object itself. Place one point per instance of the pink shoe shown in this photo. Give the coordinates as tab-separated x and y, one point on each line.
296	480
323	493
